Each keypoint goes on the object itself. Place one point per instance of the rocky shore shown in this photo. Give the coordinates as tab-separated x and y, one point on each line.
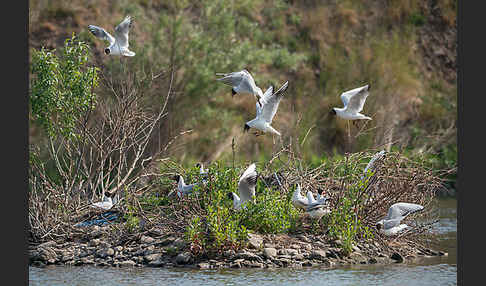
156	249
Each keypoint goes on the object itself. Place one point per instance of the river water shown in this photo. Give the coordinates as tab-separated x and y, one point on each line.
431	271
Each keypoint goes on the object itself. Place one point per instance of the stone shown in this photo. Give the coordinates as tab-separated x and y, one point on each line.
179	243
295	246
303	238
127	263
152	257
299	257
292	252
167	241
203	265
248	256
269	252
372	260
318	254
397	257
229	253
183	258
255	241
255	264
156	263
306	246
146	239
119	248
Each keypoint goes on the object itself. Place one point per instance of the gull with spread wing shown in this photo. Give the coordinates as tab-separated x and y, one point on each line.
241	82
390	225
353	101
265	114
119	43
246	187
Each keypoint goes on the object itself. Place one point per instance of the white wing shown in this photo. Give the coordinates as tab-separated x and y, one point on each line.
310	197
401	210
265	97
247	183
101	33
356	101
121	32
233	78
371	163
270	106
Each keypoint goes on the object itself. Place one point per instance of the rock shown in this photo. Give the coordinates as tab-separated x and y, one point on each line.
152	257
255	241
183	258
86	260
303	238
149	250
156	263
119	248
372	260
167	241
179	243
103	253
306	246
203	265
318	255
397	257
248	256
146	239
299	257
255	264
282	252
235	265
292	252
269	252
127	263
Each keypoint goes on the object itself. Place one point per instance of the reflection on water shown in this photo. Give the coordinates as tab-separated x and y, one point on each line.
433	271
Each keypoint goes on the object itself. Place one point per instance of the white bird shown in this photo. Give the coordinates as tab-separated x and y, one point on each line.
371	163
119	43
390	225
318	210
298	200
353	101
265	114
246	187
203	172
106	204
182	188
241	82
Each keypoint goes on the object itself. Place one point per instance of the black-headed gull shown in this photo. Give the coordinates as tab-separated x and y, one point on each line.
265	114
119	43
203	172
390	225
246	187
241	82
318	210
106	204
182	188
353	101
298	200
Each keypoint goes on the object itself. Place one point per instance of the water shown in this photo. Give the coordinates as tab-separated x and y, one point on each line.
431	271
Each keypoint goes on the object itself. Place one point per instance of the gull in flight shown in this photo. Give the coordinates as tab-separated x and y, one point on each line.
182	188
241	82
246	187
390	225
106	204
119	43
353	101
265	114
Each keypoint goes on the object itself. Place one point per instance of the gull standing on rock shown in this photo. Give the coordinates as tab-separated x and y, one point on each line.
119	43
241	82
353	101
390	225
246	187
265	114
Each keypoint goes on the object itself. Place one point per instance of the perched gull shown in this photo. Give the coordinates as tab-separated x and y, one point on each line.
390	225
353	101
318	210
182	188
265	114
246	187
119	43
371	163
203	172
302	202
298	200
106	204
241	82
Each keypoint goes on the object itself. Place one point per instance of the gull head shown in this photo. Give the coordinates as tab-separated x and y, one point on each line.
246	128
198	165
333	112
230	196
175	178
107	51
379	225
